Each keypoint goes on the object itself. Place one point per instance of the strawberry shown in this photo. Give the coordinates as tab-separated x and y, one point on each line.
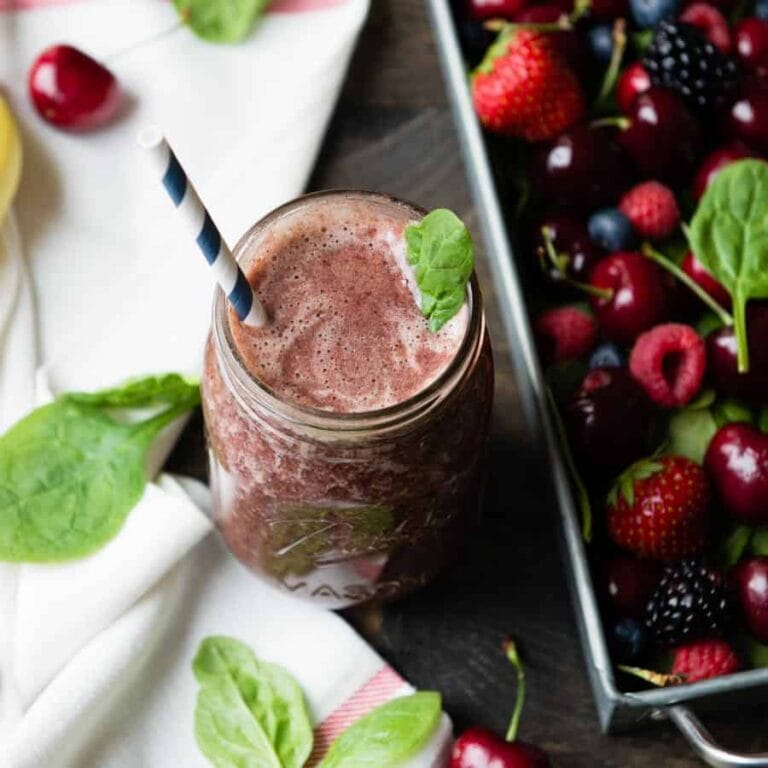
659	508
703	659
524	88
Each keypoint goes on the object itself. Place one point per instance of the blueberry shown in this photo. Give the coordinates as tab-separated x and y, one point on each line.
611	229
601	42
628	639
761	9
607	355
648	13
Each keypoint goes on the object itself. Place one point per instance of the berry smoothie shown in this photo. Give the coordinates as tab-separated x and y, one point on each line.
346	440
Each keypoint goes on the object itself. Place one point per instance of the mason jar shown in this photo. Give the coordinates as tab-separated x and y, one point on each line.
340	508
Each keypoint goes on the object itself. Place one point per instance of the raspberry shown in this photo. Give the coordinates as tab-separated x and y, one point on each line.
668	362
711	23
565	333
704	659
652	209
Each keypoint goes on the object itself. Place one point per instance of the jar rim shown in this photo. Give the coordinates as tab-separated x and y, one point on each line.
251	391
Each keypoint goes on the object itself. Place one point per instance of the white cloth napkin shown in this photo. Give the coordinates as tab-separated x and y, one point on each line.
95	655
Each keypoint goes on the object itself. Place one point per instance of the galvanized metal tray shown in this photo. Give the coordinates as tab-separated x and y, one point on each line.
617	710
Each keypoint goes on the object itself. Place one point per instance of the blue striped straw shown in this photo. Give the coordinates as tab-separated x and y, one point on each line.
225	268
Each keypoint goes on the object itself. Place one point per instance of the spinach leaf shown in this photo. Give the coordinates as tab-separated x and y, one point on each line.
70	474
165	389
241	695
220	21
388	735
440	250
729	235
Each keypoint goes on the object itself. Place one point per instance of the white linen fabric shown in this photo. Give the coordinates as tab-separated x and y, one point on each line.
95	654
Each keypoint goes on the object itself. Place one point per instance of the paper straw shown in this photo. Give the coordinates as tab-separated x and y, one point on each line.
206	234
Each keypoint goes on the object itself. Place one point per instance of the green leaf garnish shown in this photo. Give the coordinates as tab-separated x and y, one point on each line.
729	235
388	735
220	21
70	473
759	542
249	712
440	251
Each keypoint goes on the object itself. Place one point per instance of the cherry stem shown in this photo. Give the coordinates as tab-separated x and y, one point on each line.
617	121
659	679
559	262
510	649
565	23
651	253
612	72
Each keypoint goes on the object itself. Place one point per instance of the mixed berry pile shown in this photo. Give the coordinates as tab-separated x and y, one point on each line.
634	132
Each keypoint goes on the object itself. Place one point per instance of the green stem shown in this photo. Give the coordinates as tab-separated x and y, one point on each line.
612	73
740	329
559	263
659	679
622	123
510	649
651	253
585	507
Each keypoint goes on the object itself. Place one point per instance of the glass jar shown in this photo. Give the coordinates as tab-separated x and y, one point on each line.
339	508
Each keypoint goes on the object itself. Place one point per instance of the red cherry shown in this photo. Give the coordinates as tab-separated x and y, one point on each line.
737	463
633	82
609	9
703	277
71	90
747	117
480	748
663	138
628	583
637	295
750	580
752	44
716	161
722	359
495	9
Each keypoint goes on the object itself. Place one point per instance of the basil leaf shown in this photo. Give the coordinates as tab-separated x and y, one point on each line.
70	474
168	388
729	410
690	432
440	250
278	726
220	21
729	235
388	735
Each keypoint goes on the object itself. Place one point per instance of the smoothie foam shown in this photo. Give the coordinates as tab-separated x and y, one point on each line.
345	331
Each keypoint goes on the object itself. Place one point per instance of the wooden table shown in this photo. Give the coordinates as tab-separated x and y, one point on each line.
392	132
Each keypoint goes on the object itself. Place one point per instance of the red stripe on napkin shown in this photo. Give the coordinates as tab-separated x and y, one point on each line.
380	688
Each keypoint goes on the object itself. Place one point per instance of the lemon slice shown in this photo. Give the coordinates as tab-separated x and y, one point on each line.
10	157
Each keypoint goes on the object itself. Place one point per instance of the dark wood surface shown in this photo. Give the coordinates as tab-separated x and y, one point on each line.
392	132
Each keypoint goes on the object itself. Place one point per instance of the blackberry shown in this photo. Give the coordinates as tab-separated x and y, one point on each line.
681	58
689	603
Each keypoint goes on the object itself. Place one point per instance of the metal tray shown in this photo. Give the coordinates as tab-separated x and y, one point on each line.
617	710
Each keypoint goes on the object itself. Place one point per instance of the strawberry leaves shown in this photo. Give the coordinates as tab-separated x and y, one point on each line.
625	485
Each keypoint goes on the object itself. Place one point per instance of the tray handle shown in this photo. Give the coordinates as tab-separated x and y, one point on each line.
706	747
